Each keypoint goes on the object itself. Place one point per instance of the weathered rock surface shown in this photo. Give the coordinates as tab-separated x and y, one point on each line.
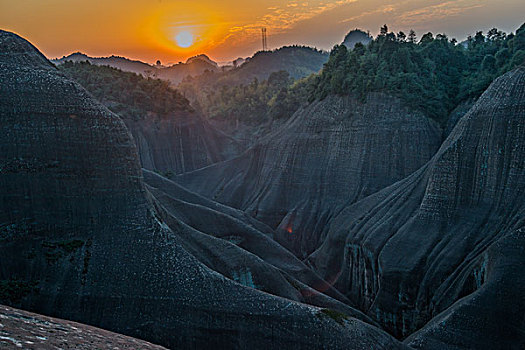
25	330
80	238
333	153
232	243
442	251
179	142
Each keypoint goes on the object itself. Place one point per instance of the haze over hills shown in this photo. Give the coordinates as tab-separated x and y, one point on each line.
298	61
174	74
369	198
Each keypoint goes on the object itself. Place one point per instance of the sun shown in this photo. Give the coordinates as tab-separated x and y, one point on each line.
184	39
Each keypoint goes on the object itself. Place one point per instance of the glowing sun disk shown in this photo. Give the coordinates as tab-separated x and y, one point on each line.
184	39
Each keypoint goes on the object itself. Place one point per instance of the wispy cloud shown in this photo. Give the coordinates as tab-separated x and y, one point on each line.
437	12
384	9
280	19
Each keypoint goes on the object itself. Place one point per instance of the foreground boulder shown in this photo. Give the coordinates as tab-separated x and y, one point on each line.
80	238
442	252
26	330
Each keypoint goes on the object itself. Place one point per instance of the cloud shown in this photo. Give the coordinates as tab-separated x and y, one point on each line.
436	12
280	19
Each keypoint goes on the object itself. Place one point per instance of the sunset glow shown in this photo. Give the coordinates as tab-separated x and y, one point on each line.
172	30
184	39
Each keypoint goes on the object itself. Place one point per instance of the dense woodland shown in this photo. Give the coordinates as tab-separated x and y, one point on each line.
256	91
128	94
432	74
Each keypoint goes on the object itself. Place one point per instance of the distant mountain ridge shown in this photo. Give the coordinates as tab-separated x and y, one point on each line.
174	74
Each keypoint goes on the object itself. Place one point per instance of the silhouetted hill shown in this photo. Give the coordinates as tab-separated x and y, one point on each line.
174	74
242	100
121	63
356	36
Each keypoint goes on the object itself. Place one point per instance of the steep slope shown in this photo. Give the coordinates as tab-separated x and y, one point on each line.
445	245
180	142
241	248
81	240
328	155
171	137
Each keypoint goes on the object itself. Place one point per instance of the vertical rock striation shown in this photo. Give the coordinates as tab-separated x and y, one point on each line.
179	142
440	250
328	155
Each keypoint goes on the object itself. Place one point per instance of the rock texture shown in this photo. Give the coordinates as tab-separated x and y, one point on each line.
25	330
179	142
241	248
442	251
80	237
332	153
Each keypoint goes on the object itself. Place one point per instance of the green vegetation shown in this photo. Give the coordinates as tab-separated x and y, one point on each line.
12	291
433	74
335	315
264	88
128	94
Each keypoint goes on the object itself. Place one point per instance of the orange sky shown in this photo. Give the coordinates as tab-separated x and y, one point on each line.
227	29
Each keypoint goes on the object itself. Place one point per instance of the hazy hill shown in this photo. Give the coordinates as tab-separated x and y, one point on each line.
356	36
174	73
122	63
245	98
298	61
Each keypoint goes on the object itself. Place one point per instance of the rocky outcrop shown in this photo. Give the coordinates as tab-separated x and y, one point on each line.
333	153
237	246
179	142
441	251
25	330
80	238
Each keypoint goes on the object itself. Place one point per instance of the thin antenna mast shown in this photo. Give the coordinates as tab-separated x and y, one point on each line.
264	41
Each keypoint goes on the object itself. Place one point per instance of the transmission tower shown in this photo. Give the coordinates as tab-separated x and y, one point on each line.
264	41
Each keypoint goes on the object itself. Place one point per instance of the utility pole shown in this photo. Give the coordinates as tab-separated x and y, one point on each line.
264	41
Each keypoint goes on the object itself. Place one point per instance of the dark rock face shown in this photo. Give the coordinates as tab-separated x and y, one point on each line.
180	142
446	244
237	246
328	155
80	237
